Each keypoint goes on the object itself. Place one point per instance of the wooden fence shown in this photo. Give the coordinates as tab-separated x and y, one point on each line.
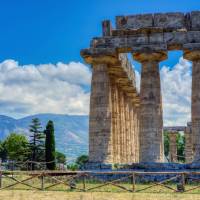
129	181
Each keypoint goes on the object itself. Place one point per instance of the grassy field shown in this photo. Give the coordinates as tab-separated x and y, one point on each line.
55	195
108	192
36	182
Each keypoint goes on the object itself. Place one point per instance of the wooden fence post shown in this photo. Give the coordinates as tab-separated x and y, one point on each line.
181	184
84	186
133	182
42	182
183	181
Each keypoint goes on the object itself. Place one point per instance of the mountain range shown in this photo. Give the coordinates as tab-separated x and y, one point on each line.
71	131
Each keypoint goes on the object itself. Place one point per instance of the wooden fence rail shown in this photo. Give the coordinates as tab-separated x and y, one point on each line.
96	180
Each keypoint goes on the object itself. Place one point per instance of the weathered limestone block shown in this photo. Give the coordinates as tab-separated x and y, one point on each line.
100	55
169	21
126	43
193	37
195	20
175	40
106	28
173	147
134	21
188	143
149	48
194	56
156	38
151	119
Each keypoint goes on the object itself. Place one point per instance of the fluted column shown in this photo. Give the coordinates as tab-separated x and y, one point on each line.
122	128
114	119
188	144
151	115
100	146
173	147
194	56
101	119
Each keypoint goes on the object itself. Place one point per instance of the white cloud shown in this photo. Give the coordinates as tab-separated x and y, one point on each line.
63	88
176	92
48	88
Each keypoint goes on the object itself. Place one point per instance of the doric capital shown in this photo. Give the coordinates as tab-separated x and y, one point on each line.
192	51
151	56
192	55
100	55
173	133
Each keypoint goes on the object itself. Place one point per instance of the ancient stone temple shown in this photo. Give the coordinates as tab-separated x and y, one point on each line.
126	126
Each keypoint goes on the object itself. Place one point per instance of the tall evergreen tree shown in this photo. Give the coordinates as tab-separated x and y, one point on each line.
50	146
36	142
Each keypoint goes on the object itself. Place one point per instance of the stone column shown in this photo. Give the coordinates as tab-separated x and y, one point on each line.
118	126
122	128
100	138
194	56
188	143
101	118
114	120
173	147
151	115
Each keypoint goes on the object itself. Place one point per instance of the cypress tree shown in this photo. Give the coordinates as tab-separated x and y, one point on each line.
50	146
36	142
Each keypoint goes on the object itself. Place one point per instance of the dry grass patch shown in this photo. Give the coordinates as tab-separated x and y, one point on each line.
53	195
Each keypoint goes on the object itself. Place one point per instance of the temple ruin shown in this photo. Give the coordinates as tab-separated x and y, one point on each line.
126	126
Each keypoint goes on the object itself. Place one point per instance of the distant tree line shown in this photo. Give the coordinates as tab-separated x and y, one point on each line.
38	148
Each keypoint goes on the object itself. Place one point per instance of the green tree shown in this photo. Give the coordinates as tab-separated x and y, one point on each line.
16	146
60	158
37	145
166	143
72	167
180	140
50	153
82	160
3	152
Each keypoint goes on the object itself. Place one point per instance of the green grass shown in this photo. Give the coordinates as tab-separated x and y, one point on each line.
36	182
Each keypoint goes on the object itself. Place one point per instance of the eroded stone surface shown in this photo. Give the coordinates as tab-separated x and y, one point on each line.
189	143
134	21
169	20
173	146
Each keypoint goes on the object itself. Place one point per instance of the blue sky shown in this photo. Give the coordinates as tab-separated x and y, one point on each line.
49	31
40	65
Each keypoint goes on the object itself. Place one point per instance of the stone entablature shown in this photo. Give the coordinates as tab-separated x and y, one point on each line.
144	33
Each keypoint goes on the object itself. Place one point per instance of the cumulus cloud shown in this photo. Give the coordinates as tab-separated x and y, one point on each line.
47	88
64	88
176	92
